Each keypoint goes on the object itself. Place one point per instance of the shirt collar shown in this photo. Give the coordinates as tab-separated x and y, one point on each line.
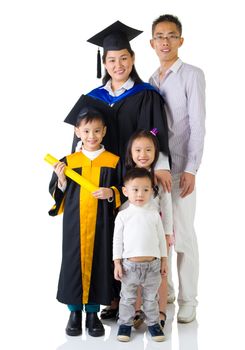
174	68
126	86
93	154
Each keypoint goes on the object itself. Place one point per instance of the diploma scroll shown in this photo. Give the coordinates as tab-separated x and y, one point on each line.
73	175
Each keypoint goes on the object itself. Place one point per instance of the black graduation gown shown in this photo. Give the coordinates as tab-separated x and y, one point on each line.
140	107
88	224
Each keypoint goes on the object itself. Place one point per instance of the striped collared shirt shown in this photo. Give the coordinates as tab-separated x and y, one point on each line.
183	89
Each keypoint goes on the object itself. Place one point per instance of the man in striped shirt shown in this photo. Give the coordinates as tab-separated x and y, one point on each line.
183	89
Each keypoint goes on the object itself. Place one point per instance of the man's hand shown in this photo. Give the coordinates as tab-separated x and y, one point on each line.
186	184
164	177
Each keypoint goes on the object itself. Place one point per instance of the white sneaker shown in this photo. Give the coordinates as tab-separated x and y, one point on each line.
171	298
186	313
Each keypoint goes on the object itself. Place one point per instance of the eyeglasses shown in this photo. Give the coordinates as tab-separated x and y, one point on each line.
171	38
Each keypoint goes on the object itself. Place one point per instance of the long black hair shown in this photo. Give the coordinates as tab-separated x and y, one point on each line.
129	163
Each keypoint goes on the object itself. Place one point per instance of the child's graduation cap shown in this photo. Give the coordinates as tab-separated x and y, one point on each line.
115	37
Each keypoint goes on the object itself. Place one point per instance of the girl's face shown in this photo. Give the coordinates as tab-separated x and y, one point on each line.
143	152
119	65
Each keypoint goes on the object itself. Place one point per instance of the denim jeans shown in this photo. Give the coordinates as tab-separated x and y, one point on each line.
148	276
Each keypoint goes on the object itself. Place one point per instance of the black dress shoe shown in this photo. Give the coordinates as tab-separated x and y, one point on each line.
74	325
94	325
109	313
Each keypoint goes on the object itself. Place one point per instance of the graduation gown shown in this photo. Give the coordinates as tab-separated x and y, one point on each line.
88	224
140	107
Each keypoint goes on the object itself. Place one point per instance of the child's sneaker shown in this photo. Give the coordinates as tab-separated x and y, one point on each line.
124	333
138	319
156	332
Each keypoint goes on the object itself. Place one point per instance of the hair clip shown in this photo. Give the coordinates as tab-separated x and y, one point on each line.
154	131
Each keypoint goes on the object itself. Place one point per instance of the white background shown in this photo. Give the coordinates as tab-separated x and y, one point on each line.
46	64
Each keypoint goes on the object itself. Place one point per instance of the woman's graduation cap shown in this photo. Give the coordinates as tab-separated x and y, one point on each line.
115	37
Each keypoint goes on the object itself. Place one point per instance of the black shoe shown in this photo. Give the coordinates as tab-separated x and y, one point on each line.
109	313
74	325
94	325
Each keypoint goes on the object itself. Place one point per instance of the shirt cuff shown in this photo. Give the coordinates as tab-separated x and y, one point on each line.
62	188
162	162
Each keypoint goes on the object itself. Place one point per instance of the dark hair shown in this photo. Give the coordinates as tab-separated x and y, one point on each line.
135	173
167	18
88	115
129	163
139	173
133	75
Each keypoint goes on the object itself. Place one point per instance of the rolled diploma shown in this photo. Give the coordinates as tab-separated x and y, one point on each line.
73	175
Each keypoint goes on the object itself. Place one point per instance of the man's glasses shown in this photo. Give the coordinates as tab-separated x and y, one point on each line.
170	38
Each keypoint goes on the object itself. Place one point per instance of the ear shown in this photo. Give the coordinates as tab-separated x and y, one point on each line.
181	41
77	132
152	43
104	131
125	192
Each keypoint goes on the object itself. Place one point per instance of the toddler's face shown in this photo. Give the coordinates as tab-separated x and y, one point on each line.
143	152
139	191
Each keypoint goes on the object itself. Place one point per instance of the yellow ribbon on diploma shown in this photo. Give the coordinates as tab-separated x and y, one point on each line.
73	175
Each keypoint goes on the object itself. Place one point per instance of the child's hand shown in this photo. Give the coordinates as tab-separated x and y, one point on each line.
59	169
164	267
118	271
103	193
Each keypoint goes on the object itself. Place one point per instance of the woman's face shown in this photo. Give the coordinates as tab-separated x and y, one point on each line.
119	65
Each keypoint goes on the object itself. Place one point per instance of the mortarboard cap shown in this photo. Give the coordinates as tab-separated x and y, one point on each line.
84	106
115	37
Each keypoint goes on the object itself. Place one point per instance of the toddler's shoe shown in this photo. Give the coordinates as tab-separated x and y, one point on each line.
124	333
156	332
138	319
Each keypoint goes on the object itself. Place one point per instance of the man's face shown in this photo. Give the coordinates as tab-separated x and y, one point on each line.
166	41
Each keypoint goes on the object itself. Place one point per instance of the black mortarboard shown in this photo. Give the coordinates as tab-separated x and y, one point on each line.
115	37
81	110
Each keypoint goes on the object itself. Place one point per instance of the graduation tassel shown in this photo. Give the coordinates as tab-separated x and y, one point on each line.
98	64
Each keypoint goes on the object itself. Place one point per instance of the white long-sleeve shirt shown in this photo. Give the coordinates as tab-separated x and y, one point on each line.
183	89
139	232
163	204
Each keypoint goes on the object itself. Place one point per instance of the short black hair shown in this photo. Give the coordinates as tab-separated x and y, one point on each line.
135	173
88	114
167	18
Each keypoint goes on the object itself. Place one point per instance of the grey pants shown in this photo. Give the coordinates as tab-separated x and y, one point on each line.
144	274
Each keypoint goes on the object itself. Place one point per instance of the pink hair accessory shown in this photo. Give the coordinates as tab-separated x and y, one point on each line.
154	131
